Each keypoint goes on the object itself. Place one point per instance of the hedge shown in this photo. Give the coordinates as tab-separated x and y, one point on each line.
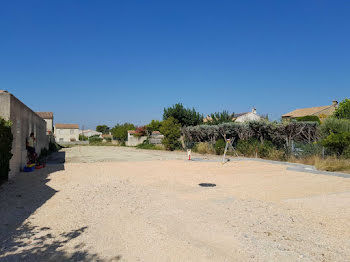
6	139
280	134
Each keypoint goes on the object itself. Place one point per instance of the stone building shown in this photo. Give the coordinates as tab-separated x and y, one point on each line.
24	121
48	117
66	132
320	111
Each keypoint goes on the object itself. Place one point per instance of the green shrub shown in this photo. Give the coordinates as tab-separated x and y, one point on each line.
54	147
346	153
203	148
6	139
343	109
337	143
120	132
333	126
308	119
146	145
108	139
172	132
220	146
83	138
94	140
248	148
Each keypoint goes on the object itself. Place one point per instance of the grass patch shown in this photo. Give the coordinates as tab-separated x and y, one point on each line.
150	147
332	164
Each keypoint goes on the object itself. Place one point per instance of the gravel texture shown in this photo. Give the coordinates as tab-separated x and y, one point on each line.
123	204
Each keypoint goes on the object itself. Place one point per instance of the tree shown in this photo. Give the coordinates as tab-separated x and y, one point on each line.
120	132
172	132
184	116
103	129
343	110
220	117
153	126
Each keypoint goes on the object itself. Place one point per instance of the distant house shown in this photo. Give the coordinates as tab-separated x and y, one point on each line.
241	117
320	111
66	132
246	117
48	117
107	137
90	132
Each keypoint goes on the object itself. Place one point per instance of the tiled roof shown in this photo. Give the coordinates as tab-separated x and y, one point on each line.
45	115
156	133
306	111
132	132
67	126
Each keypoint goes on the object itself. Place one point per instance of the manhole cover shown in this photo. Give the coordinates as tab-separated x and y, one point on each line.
207	184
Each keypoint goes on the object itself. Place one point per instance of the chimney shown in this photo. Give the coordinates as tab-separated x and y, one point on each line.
254	110
335	103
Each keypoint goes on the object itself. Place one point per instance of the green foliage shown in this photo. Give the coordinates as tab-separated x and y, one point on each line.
203	148
252	148
120	132
343	110
103	129
6	139
337	142
184	116
220	117
108	139
172	132
153	126
346	153
95	140
220	146
146	145
308	119
334	126
83	138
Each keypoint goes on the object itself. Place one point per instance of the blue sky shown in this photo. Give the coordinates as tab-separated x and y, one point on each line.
107	62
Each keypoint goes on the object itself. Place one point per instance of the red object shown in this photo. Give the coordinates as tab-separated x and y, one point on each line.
38	167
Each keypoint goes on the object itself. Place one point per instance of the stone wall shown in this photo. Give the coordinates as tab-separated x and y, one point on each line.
134	140
24	121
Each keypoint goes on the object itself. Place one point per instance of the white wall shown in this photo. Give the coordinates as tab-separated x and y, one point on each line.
248	117
135	140
66	135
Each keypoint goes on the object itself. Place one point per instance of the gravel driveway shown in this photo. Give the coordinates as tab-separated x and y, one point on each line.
124	204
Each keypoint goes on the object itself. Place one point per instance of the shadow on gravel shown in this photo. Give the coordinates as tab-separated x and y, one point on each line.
20	197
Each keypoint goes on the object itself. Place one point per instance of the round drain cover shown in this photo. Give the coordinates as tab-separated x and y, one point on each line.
207	184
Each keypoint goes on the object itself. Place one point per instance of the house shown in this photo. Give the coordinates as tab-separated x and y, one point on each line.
247	117
134	140
320	111
66	132
241	117
106	137
90	132
24	121
48	117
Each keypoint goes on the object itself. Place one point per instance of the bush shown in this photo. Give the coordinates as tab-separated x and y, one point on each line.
333	126
172	132
343	110
6	139
83	138
220	146
248	148
95	140
120	132
252	148
203	148
146	145
308	119
346	153
337	143
108	139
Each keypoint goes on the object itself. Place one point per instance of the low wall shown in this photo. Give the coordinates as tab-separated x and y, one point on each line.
24	121
134	140
67	143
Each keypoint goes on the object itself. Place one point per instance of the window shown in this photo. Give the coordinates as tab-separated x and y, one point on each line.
72	131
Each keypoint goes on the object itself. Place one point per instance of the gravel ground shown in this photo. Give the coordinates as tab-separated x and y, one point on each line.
123	204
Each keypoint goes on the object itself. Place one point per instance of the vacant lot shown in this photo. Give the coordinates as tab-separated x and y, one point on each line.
123	204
